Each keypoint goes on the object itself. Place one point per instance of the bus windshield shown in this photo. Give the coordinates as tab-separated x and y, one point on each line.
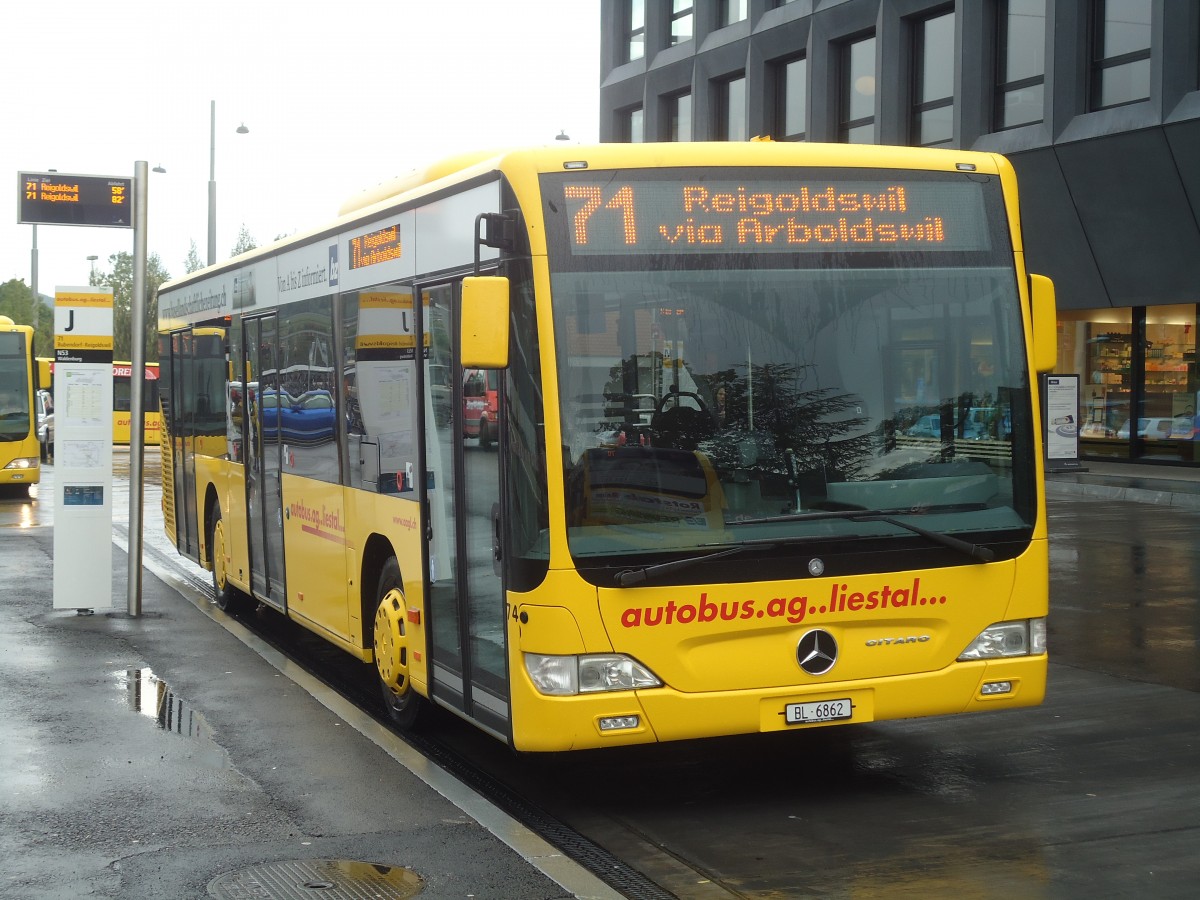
708	399
15	415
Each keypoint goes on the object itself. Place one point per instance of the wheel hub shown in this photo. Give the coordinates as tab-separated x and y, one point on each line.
218	555
391	645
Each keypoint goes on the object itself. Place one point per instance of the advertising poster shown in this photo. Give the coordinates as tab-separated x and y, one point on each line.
1060	397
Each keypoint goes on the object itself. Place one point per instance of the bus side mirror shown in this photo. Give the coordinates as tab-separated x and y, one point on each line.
1045	323
483	326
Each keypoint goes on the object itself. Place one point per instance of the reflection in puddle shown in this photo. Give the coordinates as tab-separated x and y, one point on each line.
151	697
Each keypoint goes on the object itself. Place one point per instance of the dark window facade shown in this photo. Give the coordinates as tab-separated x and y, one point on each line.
635	30
1020	63
1120	71
791	99
933	56
631	125
730	11
856	91
678	118
682	18
730	98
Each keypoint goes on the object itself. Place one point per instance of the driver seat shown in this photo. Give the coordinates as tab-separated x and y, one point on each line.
681	427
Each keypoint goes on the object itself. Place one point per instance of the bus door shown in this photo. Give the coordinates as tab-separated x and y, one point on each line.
264	459
462	503
182	387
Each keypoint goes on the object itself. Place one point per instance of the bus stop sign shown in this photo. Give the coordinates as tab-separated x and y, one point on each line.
54	198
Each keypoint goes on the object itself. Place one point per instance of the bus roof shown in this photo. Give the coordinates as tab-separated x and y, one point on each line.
521	165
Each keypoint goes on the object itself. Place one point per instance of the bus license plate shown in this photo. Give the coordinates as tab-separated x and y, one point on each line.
820	711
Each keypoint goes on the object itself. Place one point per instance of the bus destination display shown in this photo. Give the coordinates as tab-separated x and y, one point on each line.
374	248
52	198
609	216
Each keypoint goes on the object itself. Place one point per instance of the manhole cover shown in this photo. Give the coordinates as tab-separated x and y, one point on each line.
317	879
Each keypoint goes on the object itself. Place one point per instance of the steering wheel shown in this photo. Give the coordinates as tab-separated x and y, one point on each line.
676	394
681	427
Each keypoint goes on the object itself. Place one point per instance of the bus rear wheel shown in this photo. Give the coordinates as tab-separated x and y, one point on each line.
405	707
228	597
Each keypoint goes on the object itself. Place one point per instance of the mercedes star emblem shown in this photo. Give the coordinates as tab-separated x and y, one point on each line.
817	651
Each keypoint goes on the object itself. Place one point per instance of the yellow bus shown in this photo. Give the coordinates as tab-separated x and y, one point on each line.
706	510
152	422
122	375
20	464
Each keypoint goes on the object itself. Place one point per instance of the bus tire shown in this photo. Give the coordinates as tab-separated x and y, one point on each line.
228	597
405	707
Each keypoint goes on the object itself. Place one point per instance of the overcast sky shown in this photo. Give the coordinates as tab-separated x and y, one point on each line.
337	98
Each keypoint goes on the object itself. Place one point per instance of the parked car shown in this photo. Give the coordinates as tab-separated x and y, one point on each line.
45	423
1161	428
307	419
931	427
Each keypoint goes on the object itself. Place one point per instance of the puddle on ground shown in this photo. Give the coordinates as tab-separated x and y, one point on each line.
149	696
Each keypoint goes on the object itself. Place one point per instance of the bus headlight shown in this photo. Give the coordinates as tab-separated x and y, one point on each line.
25	462
568	675
1026	637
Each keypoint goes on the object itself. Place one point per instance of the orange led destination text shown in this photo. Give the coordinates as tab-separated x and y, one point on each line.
811	217
808	216
376	247
52	193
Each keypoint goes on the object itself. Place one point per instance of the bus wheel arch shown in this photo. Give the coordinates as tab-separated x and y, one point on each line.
227	597
392	649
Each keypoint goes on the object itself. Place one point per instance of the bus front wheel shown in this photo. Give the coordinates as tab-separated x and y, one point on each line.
404	705
228	597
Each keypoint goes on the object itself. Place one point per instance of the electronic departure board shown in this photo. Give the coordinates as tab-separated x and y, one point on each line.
606	214
52	198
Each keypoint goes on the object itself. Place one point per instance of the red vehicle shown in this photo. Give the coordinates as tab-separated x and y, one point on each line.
481	404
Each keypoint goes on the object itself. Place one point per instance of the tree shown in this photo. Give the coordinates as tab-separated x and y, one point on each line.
192	263
120	280
16	302
245	242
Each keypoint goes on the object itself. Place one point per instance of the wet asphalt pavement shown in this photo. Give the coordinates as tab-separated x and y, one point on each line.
1094	794
164	757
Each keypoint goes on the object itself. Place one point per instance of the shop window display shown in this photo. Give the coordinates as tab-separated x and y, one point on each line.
1135	365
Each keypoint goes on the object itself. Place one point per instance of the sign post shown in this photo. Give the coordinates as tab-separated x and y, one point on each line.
83	399
98	201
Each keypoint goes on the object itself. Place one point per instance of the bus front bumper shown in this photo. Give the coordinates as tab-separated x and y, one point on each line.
551	724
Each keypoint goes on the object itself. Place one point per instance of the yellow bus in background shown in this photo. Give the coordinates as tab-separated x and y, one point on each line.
122	375
152	424
20	463
709	510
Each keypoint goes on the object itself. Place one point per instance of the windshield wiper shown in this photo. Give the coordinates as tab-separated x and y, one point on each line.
976	552
630	577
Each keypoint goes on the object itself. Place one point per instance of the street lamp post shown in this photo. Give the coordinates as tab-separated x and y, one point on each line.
92	259
212	185
212	179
